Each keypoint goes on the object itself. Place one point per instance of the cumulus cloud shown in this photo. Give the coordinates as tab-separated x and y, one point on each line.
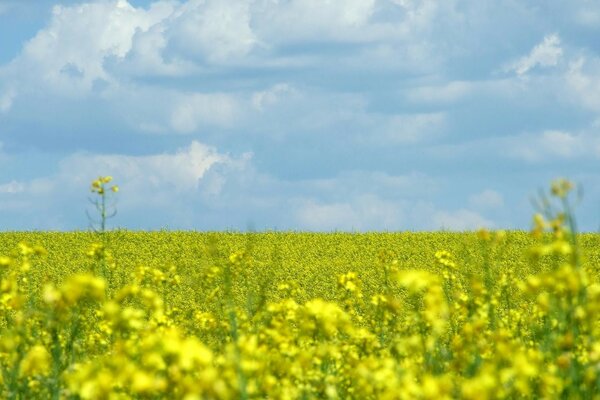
411	128
197	110
452	92
553	144
447	92
12	187
373	212
539	147
460	220
583	79
217	30
6	100
266	98
176	172
545	54
587	13
487	199
151	182
363	213
176	189
359	200
69	54
311	19
147	56
109	51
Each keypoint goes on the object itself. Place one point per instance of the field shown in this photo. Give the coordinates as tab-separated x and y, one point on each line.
194	315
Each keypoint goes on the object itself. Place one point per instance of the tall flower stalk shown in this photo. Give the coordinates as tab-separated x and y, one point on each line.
105	208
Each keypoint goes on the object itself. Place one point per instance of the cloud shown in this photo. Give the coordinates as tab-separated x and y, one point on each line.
411	128
12	187
145	177
199	110
217	30
359	200
200	187
541	147
583	80
161	184
488	199
147	56
69	55
152	68
266	98
587	14
553	144
545	54
6	100
363	213
447	92
460	220
298	20
176	172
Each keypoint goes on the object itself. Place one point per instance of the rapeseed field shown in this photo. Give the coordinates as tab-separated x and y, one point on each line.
227	315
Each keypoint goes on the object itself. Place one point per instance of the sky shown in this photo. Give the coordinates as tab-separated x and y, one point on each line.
311	115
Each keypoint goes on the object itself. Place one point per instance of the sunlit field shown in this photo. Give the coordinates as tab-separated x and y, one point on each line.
225	315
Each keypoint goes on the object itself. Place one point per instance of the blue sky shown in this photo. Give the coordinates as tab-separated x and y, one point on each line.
297	114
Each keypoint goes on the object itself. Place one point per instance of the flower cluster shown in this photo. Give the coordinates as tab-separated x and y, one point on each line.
100	185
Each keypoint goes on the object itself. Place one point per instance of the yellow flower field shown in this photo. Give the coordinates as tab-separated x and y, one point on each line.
225	315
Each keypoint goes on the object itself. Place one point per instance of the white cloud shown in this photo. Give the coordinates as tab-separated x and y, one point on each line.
179	172
588	14
552	144
361	200
12	187
447	92
296	20
354	184
583	79
194	111
71	51
378	129
69	54
374	212
216	29
412	128
146	56
156	189
97	50
364	212
541	147
562	144
271	96
460	220
545	54
6	100
487	199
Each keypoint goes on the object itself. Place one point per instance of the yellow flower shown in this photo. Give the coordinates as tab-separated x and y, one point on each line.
561	187
484	234
35	362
